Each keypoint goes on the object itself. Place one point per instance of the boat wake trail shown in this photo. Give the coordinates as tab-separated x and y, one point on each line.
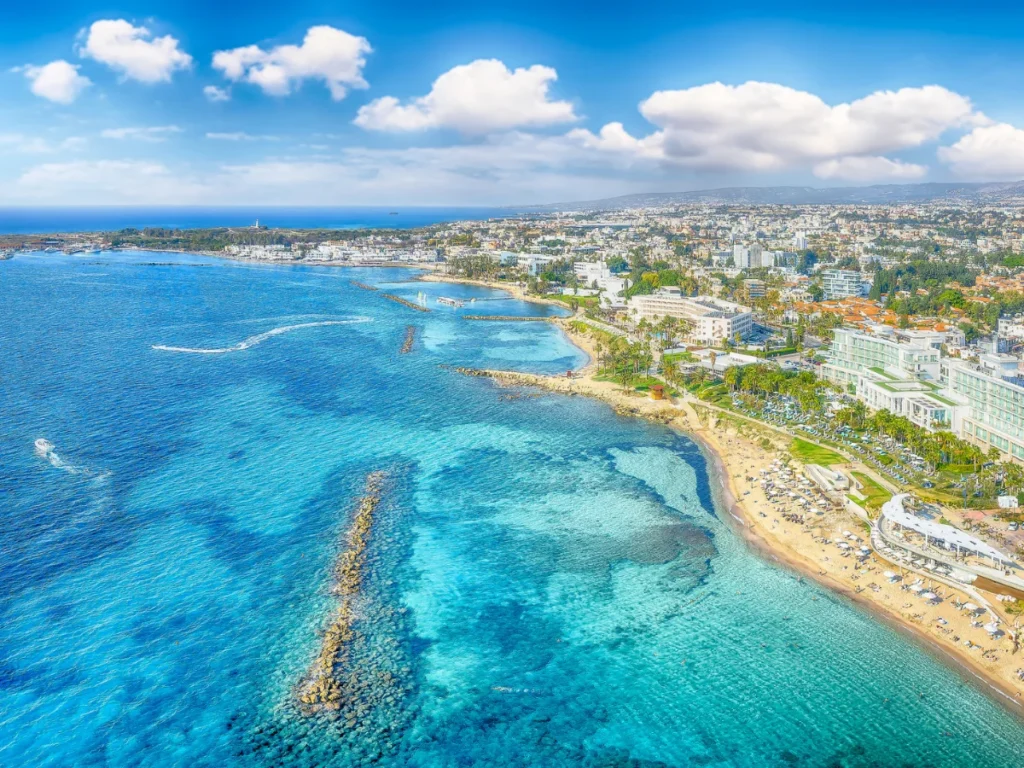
45	450
259	338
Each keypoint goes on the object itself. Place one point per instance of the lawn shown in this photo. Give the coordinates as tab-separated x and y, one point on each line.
874	494
809	453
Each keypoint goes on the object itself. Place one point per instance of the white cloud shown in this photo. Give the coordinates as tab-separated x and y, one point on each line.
238	136
106	181
868	168
769	127
987	152
133	51
37	145
153	133
215	94
326	53
614	138
503	169
57	81
481	97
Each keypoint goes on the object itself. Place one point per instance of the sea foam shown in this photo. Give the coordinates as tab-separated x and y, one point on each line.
259	338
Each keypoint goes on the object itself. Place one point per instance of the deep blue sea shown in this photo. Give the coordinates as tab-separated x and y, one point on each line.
547	584
109	218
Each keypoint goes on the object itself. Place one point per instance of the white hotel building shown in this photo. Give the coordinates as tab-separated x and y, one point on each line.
713	321
981	402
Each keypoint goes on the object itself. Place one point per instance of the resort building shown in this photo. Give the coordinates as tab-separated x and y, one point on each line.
712	321
903	378
980	401
595	274
535	263
994	391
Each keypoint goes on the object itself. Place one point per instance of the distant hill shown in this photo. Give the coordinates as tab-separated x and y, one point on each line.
969	192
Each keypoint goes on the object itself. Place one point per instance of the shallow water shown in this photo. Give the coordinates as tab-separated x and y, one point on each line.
549	584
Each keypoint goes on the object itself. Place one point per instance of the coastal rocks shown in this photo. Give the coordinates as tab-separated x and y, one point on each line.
404	302
355	704
389	296
508	318
329	680
410	339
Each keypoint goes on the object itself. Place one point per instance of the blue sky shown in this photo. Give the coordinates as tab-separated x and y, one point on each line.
465	103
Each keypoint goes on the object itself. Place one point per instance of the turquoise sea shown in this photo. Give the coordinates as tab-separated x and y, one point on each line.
548	584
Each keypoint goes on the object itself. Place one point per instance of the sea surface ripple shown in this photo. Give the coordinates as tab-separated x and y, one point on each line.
546	584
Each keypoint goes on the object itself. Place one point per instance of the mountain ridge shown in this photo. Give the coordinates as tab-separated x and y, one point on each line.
876	194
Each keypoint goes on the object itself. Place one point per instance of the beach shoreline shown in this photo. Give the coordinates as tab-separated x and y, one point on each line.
515	290
742	523
729	453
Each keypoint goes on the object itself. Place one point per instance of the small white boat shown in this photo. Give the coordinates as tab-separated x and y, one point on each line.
43	447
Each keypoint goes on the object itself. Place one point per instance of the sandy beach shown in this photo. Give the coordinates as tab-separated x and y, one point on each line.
516	290
744	457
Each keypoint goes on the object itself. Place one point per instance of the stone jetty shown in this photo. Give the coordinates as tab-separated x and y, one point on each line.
404	302
410	339
325	687
364	286
508	318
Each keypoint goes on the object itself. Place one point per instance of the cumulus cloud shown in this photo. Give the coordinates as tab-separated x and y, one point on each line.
613	137
481	97
57	81
153	133
770	127
326	53
868	168
215	94
133	51
987	152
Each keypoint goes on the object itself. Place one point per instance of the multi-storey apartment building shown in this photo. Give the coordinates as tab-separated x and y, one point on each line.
841	283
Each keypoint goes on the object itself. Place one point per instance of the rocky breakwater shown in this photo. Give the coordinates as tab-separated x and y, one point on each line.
328	681
508	318
410	339
353	704
404	302
623	401
364	286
